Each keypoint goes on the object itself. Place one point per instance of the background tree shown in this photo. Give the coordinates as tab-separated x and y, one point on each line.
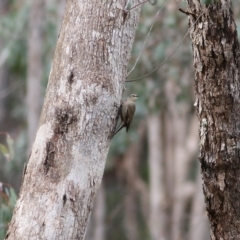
35	68
216	54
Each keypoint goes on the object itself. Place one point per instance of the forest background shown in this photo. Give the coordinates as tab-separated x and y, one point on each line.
151	187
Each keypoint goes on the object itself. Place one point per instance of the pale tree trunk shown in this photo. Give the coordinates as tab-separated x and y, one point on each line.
168	151
35	68
184	145
3	86
157	198
77	121
99	213
157	219
3	69
217	84
199	226
127	171
130	216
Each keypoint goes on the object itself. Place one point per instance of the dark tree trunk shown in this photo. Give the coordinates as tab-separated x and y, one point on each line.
217	64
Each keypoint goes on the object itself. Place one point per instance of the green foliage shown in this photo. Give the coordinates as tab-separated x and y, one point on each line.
8	199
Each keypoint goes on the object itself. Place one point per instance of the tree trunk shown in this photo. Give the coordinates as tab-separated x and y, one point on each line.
35	69
77	121
3	68
156	189
128	174
199	226
99	215
217	84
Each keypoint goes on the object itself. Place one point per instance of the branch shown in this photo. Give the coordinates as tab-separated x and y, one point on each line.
187	12
147	37
166	59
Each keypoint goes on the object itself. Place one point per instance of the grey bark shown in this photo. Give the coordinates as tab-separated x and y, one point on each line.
77	121
35	68
216	55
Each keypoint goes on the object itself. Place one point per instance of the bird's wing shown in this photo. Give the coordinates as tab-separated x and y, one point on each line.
123	111
130	114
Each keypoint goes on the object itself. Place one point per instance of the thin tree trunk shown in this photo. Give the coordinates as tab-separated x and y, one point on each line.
130	216
217	84
199	226
3	69
184	145
156	189
127	171
99	213
35	68
77	121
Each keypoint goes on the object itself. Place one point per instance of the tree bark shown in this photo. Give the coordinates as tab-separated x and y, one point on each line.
35	69
217	84
77	121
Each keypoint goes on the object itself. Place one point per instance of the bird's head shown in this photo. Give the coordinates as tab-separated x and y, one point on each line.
133	97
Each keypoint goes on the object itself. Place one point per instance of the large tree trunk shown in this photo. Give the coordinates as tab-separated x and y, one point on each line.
35	68
217	83
76	125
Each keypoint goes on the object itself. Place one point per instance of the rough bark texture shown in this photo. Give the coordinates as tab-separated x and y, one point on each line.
217	84
35	69
79	114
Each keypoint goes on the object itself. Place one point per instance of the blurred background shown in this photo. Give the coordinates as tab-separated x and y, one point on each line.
151	188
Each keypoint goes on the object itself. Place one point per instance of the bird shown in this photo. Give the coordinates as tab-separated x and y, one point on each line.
127	111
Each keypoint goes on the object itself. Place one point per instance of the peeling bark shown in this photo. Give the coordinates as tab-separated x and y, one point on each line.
77	121
217	84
